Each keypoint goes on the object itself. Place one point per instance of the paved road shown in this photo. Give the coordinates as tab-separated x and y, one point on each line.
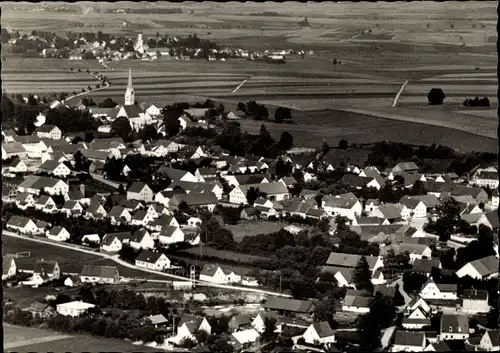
126	264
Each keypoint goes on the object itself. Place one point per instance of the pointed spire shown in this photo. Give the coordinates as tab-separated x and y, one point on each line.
129	85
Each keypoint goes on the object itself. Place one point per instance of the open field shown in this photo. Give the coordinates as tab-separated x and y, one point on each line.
232	256
29	339
253	228
69	261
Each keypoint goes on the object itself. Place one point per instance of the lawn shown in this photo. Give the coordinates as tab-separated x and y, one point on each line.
223	255
69	261
252	228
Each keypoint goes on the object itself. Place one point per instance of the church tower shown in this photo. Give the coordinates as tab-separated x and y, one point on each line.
129	93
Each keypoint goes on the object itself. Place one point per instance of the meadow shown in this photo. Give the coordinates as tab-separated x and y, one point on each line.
244	229
69	261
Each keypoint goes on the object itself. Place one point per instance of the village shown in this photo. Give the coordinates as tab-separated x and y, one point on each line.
422	269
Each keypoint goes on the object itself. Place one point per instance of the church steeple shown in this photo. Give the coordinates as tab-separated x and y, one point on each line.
129	93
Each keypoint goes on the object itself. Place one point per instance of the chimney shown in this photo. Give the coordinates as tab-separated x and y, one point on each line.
82	189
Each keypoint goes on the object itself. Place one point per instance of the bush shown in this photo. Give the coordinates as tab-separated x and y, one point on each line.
436	96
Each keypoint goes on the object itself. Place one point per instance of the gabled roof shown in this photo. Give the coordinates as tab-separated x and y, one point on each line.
116	211
13	147
409	202
355	180
136	187
56	230
454	323
407	166
323	329
18	221
241	320
485	266
407	338
358	301
391	211
460	190
340	202
425	265
494	336
246	179
430	201
194	199
349	260
46	128
440	346
149	256
50	165
173	174
99	271
292	305
157	319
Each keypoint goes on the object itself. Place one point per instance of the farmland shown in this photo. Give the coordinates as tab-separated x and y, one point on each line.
377	49
29	339
69	261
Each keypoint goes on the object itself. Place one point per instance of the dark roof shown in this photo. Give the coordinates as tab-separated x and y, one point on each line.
474	294
494	337
425	265
406	338
323	329
136	187
293	305
241	320
194	199
46	128
348	260
441	347
99	271
18	221
486	265
454	323
355	180
148	256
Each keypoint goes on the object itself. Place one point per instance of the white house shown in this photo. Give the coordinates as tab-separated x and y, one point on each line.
75	308
416	251
189	324
475	301
259	322
495	199
9	267
217	274
111	243
356	304
140	192
152	260
91	238
454	327
171	235
22	224
142	240
416	207
245	337
480	269
99	274
490	341
58	234
49	132
345	207
55	168
432	290
417	319
319	333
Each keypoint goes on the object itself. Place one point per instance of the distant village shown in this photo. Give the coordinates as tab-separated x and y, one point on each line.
46	198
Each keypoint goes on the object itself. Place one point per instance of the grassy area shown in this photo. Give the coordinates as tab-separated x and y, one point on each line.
244	229
223	255
17	335
69	261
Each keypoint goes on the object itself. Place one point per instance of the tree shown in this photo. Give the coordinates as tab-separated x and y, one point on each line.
148	133
171	115
108	103
269	327
121	127
286	141
223	240
362	275
282	114
253	194
343	144
436	96
325	309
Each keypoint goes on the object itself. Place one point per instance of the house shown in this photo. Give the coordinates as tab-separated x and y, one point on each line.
9	268
25	200
9	136
392	212
96	211
259	322
162	221
140	192
418	319
55	168
245	338
49	132
74	308
345	207
72	208
152	260
437	347
289	306
141	218
356	304
194	222
15	165
406	167
416	251
454	327
43	310
13	149
58	234
46	204
417	208
245	179
480	269
350	261
158	320
99	274
141	239
119	214
218	274
91	238
425	266
199	187
433	290
274	191
22	225
486	178
477	193
475	301
319	333
36	184
476	219
416	303
495	199
406	341
430	201
171	235
177	174
206	200
48	268
203	173
111	243
490	341
189	324
240	322
360	182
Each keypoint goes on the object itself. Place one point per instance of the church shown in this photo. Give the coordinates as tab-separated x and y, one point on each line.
138	115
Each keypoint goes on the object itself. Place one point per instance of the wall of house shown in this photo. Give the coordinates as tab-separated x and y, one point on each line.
454	336
475	306
355	309
400	348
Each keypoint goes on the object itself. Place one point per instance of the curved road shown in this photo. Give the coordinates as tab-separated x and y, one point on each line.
126	264
106	85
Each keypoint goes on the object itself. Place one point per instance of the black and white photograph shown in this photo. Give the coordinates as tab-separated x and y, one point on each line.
258	177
